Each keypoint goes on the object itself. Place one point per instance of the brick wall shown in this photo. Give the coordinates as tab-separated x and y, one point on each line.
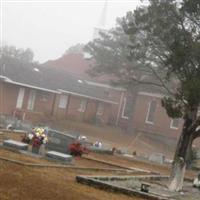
8	100
90	112
161	122
43	105
8	96
72	110
46	104
59	113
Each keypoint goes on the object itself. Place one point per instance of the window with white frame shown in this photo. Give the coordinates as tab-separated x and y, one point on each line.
31	100
83	104
126	109
174	123
63	101
100	109
151	112
20	98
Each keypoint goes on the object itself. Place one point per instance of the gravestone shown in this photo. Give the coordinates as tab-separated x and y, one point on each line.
15	144
124	150
58	141
157	157
59	156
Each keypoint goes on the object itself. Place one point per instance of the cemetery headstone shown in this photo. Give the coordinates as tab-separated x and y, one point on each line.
58	141
157	157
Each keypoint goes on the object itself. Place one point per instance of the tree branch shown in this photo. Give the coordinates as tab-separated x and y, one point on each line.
146	82
161	81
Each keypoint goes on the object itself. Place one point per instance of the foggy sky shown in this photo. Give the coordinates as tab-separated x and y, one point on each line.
50	27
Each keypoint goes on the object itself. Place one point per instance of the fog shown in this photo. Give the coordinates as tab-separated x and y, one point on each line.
51	27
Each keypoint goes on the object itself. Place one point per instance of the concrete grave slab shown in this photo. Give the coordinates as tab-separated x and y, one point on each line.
129	185
59	156
157	157
15	144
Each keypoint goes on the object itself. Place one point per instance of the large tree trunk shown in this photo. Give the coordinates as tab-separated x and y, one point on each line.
177	174
189	152
181	156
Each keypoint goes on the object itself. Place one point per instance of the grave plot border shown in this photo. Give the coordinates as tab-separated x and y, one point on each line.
99	182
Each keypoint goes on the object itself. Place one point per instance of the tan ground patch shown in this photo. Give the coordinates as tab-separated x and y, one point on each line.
27	183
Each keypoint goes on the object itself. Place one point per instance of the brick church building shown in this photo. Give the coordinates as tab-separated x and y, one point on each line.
61	89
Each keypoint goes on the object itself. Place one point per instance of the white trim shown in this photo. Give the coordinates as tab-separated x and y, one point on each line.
7	80
123	109
119	108
89	97
83	105
63	100
104	85
20	98
4	78
151	94
31	100
148	112
55	91
147	115
171	124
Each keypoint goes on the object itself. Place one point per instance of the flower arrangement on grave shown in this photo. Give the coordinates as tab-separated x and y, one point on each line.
77	149
38	136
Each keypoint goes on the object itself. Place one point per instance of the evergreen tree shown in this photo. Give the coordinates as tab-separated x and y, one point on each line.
164	43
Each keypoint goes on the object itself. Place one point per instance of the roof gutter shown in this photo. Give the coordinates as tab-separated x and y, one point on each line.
86	96
104	85
59	91
150	94
7	80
